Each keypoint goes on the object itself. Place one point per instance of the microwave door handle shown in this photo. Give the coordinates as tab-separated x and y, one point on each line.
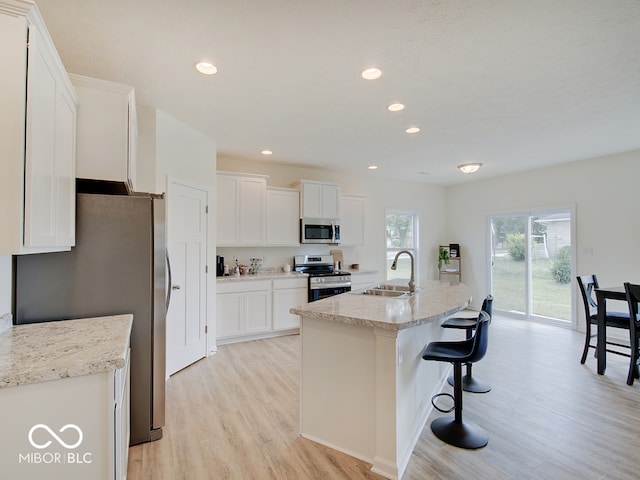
333	232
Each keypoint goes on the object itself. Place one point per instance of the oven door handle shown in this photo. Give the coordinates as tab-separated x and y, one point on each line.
327	286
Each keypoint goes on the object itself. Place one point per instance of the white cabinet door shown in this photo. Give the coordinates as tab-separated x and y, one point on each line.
252	211
257	311
319	200
352	219
40	173
241	210
283	300
311	200
331	201
44	152
229	314
65	153
107	130
283	214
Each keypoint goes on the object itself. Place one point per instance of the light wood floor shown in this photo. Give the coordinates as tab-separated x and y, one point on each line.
235	416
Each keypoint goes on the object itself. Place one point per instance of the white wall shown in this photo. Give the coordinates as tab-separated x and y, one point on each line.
427	200
170	148
604	191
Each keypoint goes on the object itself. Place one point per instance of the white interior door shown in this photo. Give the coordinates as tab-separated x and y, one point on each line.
187	242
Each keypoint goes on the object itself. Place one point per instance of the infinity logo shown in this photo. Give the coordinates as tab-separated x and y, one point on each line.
53	434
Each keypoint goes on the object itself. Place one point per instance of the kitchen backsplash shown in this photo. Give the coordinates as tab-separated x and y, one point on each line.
275	258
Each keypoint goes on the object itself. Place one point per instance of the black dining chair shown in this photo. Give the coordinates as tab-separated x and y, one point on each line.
469	382
588	284
453	430
633	298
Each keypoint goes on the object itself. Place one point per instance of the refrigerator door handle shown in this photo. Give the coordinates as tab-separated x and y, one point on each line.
168	296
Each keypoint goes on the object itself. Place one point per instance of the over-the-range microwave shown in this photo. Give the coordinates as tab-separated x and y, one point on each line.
320	230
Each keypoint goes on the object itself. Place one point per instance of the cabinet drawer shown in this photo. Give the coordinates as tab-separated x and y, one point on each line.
243	286
290	283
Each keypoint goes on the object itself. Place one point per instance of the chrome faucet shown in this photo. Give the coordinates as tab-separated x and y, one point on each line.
412	284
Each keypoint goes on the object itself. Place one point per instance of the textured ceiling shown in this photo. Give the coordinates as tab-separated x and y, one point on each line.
514	84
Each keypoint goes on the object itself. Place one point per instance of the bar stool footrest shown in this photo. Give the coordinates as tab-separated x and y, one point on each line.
443	394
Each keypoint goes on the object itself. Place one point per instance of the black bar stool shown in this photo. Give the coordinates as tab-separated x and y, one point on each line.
469	383
453	430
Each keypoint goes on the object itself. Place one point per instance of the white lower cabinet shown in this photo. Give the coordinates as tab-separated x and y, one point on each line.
257	313
73	428
287	294
243	308
250	309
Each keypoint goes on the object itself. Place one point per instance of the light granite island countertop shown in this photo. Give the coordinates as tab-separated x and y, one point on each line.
365	389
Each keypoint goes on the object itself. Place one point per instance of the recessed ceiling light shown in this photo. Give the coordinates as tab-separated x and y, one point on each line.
371	73
412	130
469	167
267	152
206	68
372	167
395	107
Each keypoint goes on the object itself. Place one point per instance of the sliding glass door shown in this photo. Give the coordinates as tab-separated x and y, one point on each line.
532	264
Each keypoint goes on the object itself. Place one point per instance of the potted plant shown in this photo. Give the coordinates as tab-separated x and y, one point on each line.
443	257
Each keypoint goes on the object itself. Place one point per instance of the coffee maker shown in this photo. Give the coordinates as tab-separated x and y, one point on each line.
219	266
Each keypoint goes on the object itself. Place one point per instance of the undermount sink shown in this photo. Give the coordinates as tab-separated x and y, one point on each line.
387	290
391	287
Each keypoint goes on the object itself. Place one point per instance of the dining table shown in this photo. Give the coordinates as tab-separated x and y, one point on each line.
602	295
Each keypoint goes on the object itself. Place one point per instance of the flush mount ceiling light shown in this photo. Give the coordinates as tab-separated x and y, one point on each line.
206	68
395	107
371	73
372	167
266	152
412	130
469	167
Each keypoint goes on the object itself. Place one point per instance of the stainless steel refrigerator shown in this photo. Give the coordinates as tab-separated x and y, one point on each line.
117	266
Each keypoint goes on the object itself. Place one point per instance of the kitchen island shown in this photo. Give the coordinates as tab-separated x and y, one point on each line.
64	395
365	389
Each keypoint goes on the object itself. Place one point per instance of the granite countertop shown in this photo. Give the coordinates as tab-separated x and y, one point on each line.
433	301
45	351
269	275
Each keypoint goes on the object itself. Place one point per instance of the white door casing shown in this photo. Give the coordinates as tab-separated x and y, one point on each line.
187	242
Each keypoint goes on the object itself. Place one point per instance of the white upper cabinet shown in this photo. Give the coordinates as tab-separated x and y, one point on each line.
38	121
319	200
241	209
107	131
352	219
283	225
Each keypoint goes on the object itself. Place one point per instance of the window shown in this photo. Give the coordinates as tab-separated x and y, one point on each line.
402	234
532	264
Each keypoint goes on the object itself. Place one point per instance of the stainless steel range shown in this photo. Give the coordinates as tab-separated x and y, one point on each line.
324	280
